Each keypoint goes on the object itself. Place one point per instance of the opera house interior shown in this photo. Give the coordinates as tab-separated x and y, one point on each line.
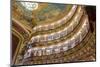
52	33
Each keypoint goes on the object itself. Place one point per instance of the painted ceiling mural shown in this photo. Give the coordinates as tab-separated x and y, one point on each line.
48	33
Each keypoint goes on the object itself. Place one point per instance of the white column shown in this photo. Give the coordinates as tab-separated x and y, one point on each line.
39	52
